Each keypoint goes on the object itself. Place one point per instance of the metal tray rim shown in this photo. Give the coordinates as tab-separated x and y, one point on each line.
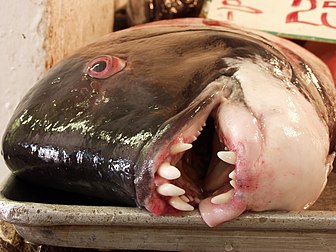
43	214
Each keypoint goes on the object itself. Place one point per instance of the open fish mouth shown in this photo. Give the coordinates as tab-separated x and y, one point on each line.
231	150
196	168
199	164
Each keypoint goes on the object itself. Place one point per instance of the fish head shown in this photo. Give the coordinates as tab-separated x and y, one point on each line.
83	126
146	116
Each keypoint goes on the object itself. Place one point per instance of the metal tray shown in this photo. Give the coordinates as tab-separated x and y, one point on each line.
44	216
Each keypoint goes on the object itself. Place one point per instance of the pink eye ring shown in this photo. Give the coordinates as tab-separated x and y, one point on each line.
104	66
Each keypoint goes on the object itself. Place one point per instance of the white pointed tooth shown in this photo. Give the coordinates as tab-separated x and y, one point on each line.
223	197
233	183
179	204
180	147
184	198
232	175
227	156
191	198
170	190
168	171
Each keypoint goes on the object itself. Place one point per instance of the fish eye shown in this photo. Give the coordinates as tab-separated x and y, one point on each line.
104	66
99	67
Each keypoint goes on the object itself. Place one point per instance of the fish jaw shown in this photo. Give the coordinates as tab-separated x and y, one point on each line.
266	136
161	151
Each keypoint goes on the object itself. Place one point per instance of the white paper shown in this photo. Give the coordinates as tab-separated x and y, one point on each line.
304	19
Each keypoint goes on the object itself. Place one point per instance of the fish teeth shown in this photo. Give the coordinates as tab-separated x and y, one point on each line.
233	183
185	198
168	171
179	147
227	156
179	204
170	190
223	198
232	175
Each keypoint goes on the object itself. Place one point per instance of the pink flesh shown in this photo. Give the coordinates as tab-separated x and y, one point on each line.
216	214
244	137
267	142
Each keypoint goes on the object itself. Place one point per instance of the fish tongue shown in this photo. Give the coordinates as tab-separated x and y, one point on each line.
215	214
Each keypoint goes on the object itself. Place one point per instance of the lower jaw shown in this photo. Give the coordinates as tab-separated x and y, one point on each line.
214	214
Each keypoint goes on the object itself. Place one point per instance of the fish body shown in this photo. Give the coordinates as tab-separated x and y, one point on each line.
180	114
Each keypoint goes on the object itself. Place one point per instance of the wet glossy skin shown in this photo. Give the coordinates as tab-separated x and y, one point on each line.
86	133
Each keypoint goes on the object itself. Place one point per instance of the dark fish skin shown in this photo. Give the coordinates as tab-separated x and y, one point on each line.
87	135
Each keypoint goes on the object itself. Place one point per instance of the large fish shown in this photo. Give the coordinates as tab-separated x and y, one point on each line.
124	120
